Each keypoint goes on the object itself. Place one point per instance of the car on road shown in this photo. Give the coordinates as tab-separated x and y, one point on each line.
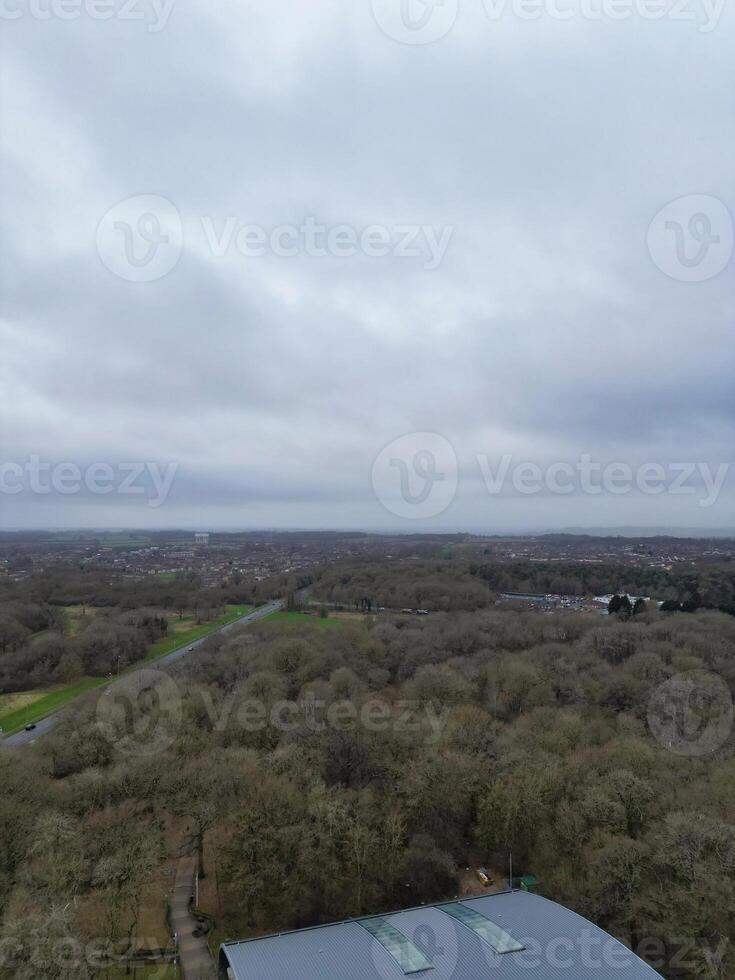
30	727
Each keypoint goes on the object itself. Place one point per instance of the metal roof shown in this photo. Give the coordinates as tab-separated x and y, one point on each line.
558	945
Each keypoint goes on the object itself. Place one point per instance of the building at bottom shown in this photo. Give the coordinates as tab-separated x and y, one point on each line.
510	935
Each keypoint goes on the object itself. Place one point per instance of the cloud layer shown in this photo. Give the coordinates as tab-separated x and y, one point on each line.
548	331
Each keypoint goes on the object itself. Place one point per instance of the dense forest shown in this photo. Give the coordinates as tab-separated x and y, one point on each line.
322	768
444	585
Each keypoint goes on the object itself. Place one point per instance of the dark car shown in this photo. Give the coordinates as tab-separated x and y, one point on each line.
30	727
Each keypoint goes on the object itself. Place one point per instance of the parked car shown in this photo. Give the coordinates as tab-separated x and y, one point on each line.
484	876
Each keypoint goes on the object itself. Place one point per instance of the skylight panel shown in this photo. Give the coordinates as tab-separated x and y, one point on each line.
407	956
490	933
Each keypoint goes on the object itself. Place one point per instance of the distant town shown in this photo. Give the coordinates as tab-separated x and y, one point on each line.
218	557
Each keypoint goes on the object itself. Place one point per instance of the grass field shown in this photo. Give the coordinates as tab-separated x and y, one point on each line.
77	617
43	703
297	617
180	637
16	714
124	542
13	702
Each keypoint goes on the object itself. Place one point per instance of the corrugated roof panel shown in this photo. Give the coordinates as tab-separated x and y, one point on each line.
560	945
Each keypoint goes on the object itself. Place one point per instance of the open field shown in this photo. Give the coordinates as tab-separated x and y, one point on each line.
78	617
15	714
15	702
347	616
124	542
298	617
184	633
43	703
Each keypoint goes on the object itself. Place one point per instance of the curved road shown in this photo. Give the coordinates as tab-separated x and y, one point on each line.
21	738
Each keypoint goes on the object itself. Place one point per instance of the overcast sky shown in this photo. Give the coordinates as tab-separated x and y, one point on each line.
554	305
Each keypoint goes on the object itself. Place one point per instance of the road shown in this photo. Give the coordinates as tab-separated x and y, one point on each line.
46	724
195	960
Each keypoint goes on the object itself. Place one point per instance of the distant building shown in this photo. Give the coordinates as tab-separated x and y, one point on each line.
545	601
201	538
511	935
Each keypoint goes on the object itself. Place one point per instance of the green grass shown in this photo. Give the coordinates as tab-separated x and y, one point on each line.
179	639
297	617
14	720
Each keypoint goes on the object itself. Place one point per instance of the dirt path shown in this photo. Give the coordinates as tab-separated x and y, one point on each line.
194	958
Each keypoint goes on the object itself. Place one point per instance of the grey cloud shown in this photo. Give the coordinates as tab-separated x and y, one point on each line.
547	329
